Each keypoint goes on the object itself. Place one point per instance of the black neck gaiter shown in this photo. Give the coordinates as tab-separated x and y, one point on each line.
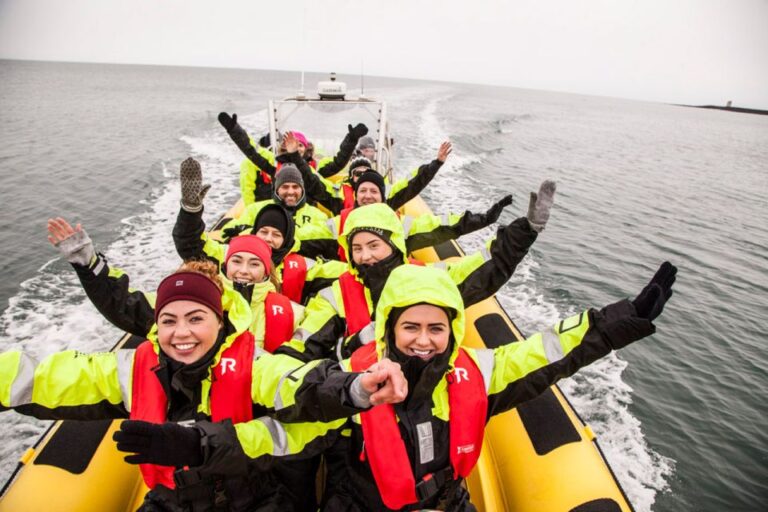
374	276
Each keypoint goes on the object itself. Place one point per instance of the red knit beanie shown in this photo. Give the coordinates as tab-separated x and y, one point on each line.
188	286
254	245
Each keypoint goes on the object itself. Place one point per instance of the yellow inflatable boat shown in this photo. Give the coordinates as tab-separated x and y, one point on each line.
539	457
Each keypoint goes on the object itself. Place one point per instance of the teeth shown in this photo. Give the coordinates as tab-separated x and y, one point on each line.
185	346
421	352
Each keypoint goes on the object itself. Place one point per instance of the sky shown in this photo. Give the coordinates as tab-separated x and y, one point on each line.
673	51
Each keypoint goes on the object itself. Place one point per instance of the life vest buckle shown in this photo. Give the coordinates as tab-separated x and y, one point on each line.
432	483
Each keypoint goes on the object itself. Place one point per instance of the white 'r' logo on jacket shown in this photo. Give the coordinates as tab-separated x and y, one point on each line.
277	310
227	363
461	374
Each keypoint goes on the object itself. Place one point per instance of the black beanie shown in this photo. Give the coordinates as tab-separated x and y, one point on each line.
272	217
371	177
384	234
360	161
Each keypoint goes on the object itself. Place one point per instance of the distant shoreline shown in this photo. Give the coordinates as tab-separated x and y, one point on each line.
731	109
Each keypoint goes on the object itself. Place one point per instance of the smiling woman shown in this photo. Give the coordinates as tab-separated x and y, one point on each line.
189	314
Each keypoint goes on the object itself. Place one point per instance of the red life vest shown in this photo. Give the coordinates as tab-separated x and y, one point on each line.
342	219
384	446
355	306
294	276
230	394
278	323
349	196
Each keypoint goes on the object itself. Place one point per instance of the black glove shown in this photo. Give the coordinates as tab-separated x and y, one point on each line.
494	212
228	122
652	298
165	444
230	233
264	141
357	131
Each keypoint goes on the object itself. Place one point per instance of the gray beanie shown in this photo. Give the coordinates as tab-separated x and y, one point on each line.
366	142
288	173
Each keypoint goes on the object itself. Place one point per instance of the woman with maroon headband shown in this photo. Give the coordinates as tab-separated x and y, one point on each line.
200	365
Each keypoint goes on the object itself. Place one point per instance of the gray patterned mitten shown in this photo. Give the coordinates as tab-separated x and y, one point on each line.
540	204
192	189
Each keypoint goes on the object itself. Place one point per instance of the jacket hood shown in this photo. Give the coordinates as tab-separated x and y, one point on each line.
288	236
409	285
376	216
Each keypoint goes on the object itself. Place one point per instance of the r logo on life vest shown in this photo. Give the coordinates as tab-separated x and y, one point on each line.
306	219
461	374
227	363
467	448
293	264
277	310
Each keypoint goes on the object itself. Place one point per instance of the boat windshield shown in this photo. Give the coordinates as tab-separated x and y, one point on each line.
325	122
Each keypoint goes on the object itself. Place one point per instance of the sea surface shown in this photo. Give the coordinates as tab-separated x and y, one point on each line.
681	416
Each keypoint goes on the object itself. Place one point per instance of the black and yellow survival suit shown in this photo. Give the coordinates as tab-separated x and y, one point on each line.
193	242
257	172
322	240
511	374
478	276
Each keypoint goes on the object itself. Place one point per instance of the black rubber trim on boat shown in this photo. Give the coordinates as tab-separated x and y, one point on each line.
134	341
446	250
73	445
493	330
547	423
598	505
220	223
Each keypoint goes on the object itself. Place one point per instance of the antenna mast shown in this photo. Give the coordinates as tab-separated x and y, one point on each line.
362	80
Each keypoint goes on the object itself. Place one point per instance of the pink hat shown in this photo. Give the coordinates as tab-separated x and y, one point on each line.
301	138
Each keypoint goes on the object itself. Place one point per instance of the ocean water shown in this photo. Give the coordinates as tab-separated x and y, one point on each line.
681	415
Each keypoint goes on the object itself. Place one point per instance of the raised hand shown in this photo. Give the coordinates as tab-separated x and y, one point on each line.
73	243
494	212
540	205
165	444
290	143
227	121
650	302
444	150
192	189
357	131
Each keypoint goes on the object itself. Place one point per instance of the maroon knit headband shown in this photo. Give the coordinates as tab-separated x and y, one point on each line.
188	286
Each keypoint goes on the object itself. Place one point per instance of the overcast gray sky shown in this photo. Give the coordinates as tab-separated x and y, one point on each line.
677	51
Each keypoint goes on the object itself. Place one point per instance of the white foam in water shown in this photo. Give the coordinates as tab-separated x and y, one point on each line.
597	392
51	312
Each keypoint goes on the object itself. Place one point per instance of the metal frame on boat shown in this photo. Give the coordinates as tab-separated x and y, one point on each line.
326	120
